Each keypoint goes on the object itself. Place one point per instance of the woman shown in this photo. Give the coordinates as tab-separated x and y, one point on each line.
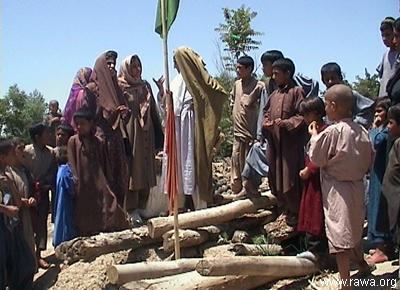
105	100
77	94
144	133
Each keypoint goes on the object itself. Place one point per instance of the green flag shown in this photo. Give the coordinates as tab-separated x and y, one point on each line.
171	8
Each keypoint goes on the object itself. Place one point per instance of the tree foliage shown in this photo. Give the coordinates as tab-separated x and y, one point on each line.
237	35
19	110
367	86
237	38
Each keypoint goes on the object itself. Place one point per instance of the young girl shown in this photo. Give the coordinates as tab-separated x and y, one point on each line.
379	136
96	208
64	222
311	215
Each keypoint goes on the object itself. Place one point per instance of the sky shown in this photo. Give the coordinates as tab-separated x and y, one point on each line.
44	43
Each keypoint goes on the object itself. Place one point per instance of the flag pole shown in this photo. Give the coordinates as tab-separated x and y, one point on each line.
169	103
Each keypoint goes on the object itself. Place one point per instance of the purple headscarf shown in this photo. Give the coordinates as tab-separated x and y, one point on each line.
77	94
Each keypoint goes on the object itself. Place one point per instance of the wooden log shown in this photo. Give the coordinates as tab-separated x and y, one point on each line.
252	220
210	216
193	280
255	266
256	250
187	238
120	274
86	248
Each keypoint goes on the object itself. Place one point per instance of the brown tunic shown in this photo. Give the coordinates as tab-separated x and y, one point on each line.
344	153
285	150
245	108
142	139
96	207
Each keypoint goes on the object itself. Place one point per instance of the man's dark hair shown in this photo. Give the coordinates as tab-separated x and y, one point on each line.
384	103
111	54
246	61
387	23
394	113
331	67
313	105
271	55
37	131
6	145
67	128
84	113
396	24
285	65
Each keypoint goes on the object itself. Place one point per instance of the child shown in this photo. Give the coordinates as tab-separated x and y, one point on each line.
391	179
387	67
63	133
343	151
285	131
246	94
311	215
363	114
17	265
96	207
40	161
64	206
379	137
23	182
52	120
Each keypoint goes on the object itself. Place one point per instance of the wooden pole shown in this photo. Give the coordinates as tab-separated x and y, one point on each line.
169	105
255	266
209	216
120	274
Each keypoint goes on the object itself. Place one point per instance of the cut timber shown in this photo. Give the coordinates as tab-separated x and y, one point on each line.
187	238
210	216
268	266
120	274
193	280
86	248
256	250
252	220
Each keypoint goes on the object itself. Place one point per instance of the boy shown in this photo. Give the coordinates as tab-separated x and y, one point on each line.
96	208
344	154
246	94
22	179
387	67
40	161
63	133
17	264
64	205
363	114
52	120
310	86
284	128
391	179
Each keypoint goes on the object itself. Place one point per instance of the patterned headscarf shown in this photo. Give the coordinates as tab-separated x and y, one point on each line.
142	93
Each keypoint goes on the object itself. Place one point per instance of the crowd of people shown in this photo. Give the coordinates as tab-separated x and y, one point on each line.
93	165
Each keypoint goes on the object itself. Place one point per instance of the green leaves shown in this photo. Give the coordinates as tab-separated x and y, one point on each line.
237	35
19	110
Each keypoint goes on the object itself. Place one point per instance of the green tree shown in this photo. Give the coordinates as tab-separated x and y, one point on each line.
237	35
367	86
19	110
